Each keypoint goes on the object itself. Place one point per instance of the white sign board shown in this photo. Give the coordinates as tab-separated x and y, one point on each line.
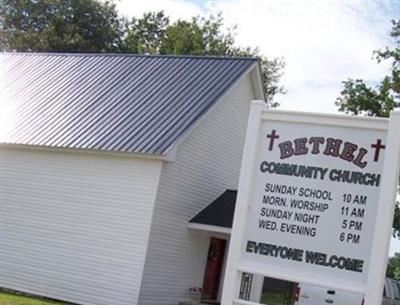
311	191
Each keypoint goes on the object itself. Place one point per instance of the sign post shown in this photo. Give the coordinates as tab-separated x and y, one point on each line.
383	227
315	201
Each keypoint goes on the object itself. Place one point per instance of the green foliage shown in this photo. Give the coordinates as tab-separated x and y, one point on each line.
393	267
144	35
360	99
205	36
393	55
9	298
396	221
183	38
200	36
94	26
271	71
59	25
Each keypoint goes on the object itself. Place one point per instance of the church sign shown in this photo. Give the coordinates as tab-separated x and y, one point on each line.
315	201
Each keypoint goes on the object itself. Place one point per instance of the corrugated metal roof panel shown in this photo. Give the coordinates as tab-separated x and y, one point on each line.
112	102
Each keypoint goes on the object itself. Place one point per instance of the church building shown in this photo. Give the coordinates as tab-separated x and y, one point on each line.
118	174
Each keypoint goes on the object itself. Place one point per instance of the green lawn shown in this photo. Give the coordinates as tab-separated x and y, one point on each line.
274	299
7	298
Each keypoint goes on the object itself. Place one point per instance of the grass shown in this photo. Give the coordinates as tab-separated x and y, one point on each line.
8	298
274	299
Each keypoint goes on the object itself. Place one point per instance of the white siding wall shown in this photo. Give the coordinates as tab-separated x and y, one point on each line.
75	226
207	162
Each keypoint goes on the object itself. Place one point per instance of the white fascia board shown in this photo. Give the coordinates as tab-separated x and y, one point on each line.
257	82
85	151
326	119
210	228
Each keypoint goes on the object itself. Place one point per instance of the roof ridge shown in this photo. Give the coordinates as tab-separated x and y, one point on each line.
132	55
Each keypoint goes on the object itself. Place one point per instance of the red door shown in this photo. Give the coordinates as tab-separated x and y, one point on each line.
212	274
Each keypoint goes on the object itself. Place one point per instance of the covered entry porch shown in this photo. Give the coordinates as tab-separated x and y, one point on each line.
216	219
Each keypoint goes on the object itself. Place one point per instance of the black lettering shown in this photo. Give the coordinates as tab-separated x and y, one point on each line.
358	160
300	146
286	149
316	141
332	147
348	151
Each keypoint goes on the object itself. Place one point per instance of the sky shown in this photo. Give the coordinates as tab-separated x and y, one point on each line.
323	42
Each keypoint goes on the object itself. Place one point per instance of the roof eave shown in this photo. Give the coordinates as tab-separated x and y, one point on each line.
85	151
209	228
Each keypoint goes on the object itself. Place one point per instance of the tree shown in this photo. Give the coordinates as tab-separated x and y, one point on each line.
358	98
199	36
95	26
59	25
144	35
393	267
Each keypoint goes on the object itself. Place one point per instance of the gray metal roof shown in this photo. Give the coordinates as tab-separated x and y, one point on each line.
219	212
111	102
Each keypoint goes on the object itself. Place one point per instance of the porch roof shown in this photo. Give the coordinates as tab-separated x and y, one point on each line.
218	214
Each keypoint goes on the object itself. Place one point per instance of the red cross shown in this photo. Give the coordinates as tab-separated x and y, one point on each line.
378	146
273	136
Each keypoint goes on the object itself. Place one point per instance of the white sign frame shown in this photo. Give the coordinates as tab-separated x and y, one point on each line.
383	225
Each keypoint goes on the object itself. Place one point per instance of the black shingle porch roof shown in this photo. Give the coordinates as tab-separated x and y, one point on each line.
219	212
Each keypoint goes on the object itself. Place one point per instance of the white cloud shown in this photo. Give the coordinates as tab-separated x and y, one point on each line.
173	8
394	246
323	42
